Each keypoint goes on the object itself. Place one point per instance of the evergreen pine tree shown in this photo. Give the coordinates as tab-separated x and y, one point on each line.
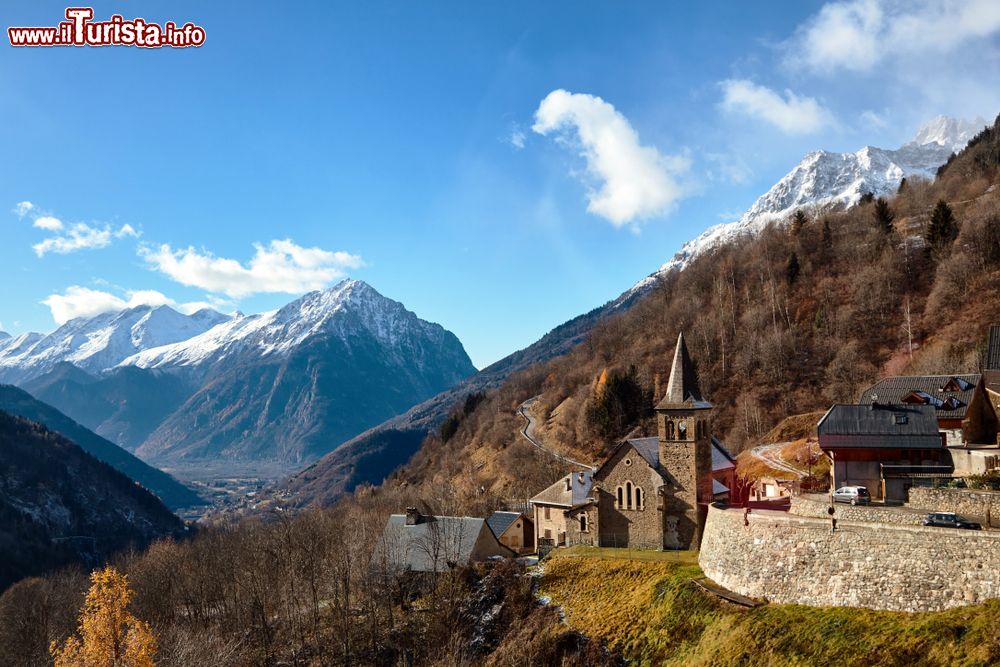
798	222
942	231
883	216
792	268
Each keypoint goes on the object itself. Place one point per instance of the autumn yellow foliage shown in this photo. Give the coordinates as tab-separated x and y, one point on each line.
108	635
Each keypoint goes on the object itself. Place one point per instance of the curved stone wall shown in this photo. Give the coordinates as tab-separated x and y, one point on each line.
809	507
791	559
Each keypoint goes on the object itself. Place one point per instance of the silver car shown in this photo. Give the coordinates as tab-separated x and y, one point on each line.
856	495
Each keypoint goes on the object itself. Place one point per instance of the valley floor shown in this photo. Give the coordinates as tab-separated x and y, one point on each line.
645	605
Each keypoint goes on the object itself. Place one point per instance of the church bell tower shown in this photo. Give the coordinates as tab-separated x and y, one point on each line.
685	448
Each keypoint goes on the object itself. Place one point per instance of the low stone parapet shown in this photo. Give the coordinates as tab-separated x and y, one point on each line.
982	506
819	509
785	558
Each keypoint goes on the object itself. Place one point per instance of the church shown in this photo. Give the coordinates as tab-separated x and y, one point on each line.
651	493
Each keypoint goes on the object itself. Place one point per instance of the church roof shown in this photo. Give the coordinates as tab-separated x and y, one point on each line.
649	448
682	387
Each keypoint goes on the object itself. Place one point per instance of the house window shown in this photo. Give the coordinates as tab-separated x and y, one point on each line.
621	499
638	498
569	483
583	523
628	494
548	534
548	516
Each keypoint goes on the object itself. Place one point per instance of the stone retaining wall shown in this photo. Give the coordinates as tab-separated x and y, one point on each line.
790	559
809	507
983	506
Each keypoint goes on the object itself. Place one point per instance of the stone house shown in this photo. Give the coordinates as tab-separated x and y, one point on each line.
514	530
551	505
416	542
652	492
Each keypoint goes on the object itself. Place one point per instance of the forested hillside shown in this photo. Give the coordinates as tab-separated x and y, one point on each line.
803	315
59	505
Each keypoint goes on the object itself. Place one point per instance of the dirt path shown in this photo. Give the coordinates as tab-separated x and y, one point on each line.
529	434
771	456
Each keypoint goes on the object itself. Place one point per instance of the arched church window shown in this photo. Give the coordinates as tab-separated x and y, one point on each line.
682	430
628	494
583	523
621	499
670	430
638	498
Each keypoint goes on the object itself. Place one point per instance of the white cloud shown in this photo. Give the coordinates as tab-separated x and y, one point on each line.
48	223
77	301
791	114
79	236
635	181
858	35
516	138
874	119
22	208
280	266
728	168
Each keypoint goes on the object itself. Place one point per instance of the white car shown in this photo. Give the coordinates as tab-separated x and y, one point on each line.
856	495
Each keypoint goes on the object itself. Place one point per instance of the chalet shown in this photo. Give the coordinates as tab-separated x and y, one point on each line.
650	492
418	543
960	403
886	448
514	530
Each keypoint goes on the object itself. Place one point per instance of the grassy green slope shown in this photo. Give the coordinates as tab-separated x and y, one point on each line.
648	609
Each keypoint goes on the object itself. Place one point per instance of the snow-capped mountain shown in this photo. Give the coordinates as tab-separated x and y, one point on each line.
832	180
282	386
350	308
98	343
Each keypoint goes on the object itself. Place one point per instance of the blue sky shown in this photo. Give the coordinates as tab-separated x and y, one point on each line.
425	148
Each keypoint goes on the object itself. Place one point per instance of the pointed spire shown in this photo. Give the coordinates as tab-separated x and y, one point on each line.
682	386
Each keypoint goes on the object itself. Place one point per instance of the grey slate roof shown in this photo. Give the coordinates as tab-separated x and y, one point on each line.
501	521
887	426
436	543
649	448
949	405
993	349
557	494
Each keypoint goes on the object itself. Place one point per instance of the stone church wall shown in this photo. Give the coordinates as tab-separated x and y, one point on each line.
789	559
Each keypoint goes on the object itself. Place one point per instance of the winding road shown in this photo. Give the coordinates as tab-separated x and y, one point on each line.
529	434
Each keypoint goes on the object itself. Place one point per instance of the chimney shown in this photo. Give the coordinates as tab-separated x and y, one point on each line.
412	516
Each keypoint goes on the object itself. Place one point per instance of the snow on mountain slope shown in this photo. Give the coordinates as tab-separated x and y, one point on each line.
98	343
278	331
832	180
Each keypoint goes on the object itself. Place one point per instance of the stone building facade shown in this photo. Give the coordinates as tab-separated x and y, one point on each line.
650	493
